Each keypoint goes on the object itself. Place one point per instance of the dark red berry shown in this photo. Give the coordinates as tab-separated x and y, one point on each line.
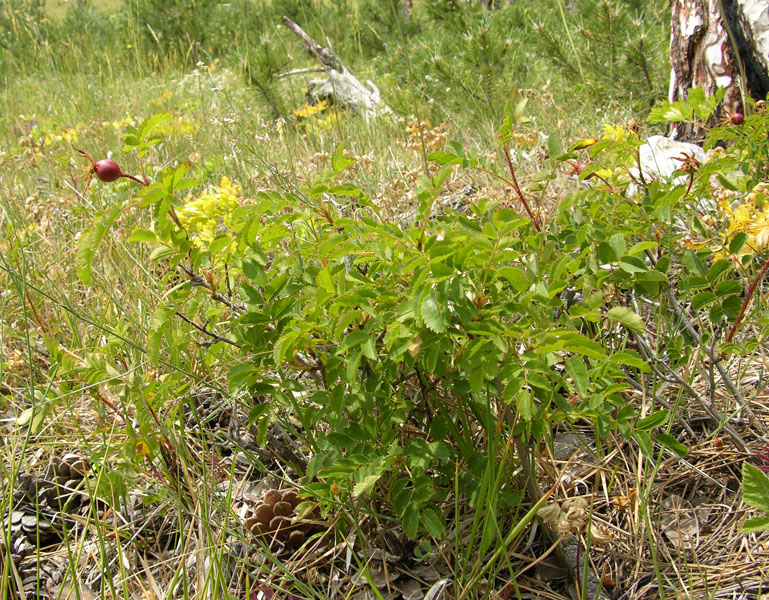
738	118
107	170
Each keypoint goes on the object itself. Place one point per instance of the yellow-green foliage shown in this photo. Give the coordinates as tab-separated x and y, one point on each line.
210	213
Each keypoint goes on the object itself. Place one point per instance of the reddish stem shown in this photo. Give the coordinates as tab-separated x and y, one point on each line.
136	179
748	296
517	189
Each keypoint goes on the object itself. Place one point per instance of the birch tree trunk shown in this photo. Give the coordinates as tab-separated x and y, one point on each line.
719	43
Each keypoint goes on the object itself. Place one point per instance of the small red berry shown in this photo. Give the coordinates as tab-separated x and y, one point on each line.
580	167
738	118
107	170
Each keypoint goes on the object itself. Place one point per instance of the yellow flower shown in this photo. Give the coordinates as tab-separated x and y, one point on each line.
309	110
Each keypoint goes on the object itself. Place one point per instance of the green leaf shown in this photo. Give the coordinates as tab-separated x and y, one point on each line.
142	235
431	314
755	487
738	241
324	281
366	484
606	253
403	496
653	420
516	277
90	241
671	442
580	344
525	405
445	158
632	264
339	162
617	242
576	369
728	288
756	524
218	244
476	380
641	246
433	523
410	521
161	252
644	443
631	359
702	299
628	318
676	113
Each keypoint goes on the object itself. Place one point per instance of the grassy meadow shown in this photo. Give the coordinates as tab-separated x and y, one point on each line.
267	314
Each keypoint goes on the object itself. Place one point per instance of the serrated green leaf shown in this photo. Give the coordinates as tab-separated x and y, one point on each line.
756	524
324	281
580	344
641	247
153	347
676	113
150	123
431	314
628	318
433	522
161	252
365	485
631	359
525	404
632	264
617	242
445	158
410	521
219	244
516	277
755	487
702	299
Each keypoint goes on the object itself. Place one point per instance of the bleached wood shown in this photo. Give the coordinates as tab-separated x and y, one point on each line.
341	87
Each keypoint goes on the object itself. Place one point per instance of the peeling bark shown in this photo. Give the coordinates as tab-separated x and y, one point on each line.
719	43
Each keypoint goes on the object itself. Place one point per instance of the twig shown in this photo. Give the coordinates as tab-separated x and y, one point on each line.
741	401
301	72
204	329
714	413
197	281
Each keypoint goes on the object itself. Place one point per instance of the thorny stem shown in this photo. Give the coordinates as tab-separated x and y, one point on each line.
748	296
517	189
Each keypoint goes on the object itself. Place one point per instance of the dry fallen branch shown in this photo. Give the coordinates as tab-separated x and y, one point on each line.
341	87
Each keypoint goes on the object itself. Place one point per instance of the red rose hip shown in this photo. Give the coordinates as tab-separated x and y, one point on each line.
107	170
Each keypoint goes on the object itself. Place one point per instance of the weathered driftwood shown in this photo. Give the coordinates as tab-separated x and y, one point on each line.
341	87
719	43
